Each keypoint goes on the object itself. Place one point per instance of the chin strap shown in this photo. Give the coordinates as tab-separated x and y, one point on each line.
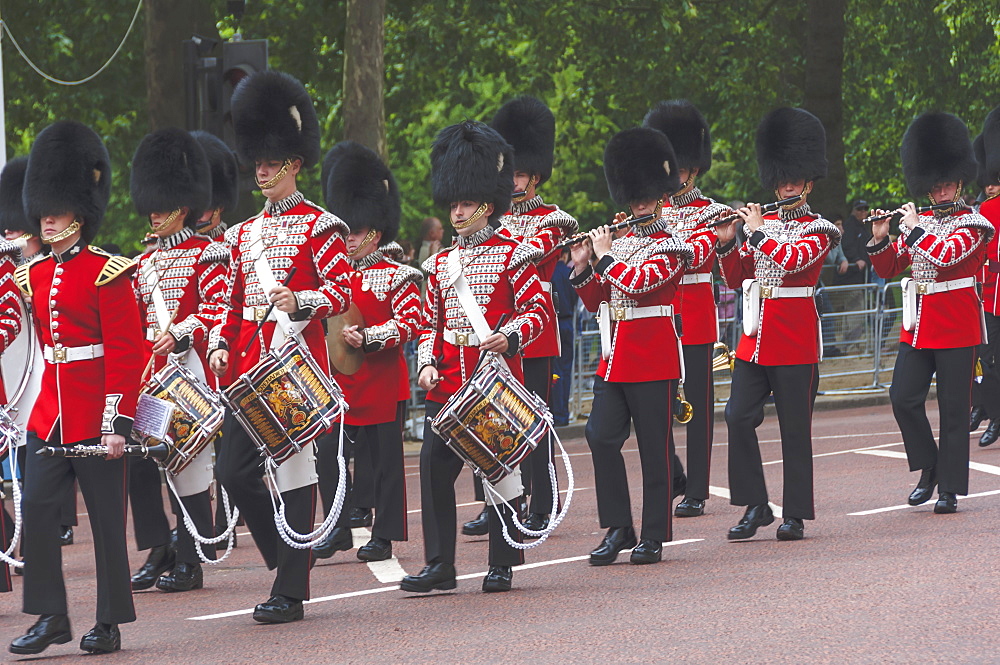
277	176
476	216
65	233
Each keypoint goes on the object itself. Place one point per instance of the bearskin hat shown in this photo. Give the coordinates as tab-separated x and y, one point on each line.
529	127
987	148
470	161
936	148
170	171
361	190
640	165
225	173
791	146
687	130
12	217
274	119
68	171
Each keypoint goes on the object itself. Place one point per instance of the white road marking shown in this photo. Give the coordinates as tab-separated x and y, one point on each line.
479	503
842	452
388	571
394	587
905	506
975	466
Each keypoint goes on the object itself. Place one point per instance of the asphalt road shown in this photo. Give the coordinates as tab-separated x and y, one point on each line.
875	581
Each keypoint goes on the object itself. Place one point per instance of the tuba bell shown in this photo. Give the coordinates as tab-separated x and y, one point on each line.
724	360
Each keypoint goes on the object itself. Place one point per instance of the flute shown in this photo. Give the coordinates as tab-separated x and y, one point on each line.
769	207
887	215
580	237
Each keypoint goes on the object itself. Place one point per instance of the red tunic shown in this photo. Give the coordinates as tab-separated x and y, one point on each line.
786	251
85	298
11	313
504	280
687	216
990	209
542	227
940	249
642	269
387	295
296	233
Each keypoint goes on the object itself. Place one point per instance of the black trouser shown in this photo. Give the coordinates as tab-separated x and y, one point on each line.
199	507
439	469
987	393
535	466
103	483
363	492
562	366
700	393
68	505
384	448
911	380
240	469
6	534
794	388
617	406
149	520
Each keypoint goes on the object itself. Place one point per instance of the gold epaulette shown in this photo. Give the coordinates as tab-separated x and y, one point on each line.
21	277
115	266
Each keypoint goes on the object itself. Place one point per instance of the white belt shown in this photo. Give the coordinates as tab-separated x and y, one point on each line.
606	313
698	278
927	288
461	338
152	334
256	314
69	354
771	292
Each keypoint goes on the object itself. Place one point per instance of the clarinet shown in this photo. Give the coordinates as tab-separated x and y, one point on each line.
887	215
157	452
580	237
769	207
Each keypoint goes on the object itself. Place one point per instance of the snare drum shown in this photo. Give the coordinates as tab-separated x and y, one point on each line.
285	402
493	421
197	415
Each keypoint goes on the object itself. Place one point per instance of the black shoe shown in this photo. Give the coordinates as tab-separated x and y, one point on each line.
222	545
184	577
924	490
536	522
498	579
647	551
991	434
615	540
278	609
377	549
19	570
976	418
338	540
49	629
66	537
754	518
678	487
360	517
791	529
102	638
160	560
480	526
690	507
947	503
439	576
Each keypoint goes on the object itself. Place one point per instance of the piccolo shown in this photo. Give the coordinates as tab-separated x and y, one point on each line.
158	452
887	215
631	221
768	207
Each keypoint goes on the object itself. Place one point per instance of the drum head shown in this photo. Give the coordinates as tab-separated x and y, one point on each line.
344	357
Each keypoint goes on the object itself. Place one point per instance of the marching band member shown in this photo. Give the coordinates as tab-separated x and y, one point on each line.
530	128
942	312
632	287
987	149
277	129
688	213
179	287
89	323
361	190
484	275
779	350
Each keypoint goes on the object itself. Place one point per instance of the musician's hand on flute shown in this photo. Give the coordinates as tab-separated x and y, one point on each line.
218	361
428	378
164	344
909	213
880	227
581	253
284	299
726	232
751	216
601	238
353	337
115	444
496	342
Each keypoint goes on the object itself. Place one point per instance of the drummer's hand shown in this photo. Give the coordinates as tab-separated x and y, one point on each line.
601	237
219	362
495	342
428	378
284	299
353	337
115	444
164	344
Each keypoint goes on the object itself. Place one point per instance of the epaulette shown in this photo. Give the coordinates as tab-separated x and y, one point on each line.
21	276
327	221
7	248
215	252
713	211
232	234
113	267
561	219
404	274
524	253
976	220
429	265
820	225
392	251
675	246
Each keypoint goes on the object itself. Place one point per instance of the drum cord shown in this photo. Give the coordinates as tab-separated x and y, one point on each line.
7	557
229	534
498	502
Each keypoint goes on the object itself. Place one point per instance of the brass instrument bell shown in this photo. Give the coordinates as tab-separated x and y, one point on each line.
683	411
724	360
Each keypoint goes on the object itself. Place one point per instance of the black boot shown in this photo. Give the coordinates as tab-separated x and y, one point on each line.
66	536
377	549
615	540
924	490
160	560
222	545
536	522
49	629
791	529
102	638
278	609
498	579
754	518
480	526
991	434
647	551
976	418
690	507
947	503
439	576
184	577
360	517
338	540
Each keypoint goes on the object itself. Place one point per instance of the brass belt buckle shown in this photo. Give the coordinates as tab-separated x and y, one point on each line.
461	339
59	355
259	313
922	289
766	291
618	313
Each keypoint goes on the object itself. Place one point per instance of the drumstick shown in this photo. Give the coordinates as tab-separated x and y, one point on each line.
267	314
503	320
152	357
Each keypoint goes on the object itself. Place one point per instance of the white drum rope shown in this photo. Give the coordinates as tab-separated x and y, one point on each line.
229	534
7	557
